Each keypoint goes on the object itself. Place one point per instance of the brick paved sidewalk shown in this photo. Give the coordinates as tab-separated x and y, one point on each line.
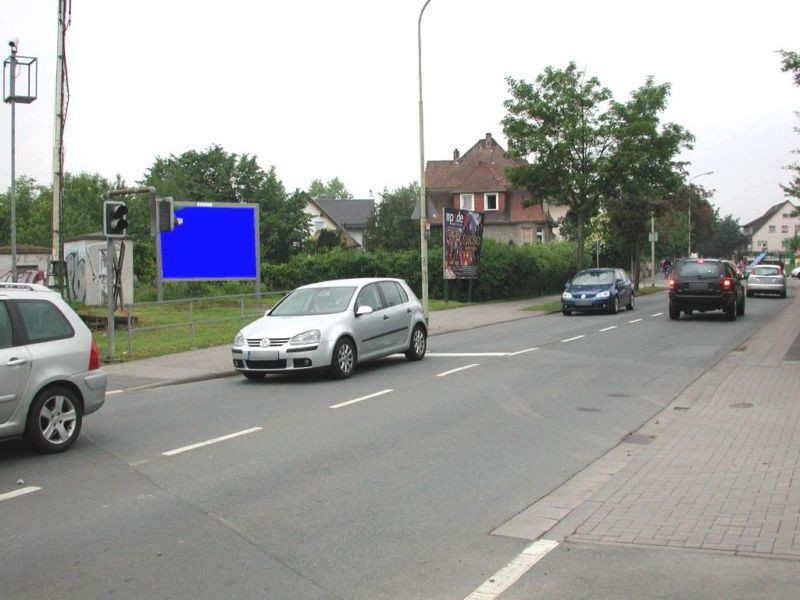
725	475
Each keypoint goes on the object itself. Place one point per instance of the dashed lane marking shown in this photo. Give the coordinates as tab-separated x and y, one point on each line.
361	399
465	354
572	339
505	577
636	321
522	351
20	492
608	328
451	371
209	442
657	314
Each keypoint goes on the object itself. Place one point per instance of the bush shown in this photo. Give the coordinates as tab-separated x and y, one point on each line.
506	271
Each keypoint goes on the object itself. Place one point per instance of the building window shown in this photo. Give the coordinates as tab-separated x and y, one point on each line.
784	229
467	202
491	201
319	225
527	236
762	244
785	215
772	228
540	235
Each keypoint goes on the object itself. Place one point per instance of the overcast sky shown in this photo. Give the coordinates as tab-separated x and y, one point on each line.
328	88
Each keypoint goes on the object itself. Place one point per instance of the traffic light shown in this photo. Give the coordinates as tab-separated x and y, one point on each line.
115	219
166	214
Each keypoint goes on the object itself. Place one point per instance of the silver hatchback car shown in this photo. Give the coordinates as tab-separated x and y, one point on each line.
333	324
50	373
766	279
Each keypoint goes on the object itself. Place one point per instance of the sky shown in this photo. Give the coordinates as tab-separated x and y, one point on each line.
320	89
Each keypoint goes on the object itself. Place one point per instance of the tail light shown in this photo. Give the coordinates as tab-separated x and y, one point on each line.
672	283
94	357
727	283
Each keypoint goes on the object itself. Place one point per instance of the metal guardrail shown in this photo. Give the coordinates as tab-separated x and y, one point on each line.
191	322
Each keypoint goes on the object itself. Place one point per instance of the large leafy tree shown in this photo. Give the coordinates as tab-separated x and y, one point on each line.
32	204
333	190
726	239
215	175
390	226
642	171
561	124
791	63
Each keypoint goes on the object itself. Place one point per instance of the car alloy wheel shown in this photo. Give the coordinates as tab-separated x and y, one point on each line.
630	304
614	306
344	359
54	420
419	343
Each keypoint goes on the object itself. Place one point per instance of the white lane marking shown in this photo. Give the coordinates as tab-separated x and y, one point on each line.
522	351
451	371
636	321
657	314
608	328
109	392
361	399
572	339
505	577
466	354
19	492
209	442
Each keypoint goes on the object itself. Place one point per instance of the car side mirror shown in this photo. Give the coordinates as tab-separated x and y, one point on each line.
363	310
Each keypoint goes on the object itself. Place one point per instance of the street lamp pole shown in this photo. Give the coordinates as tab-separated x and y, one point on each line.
689	253
423	217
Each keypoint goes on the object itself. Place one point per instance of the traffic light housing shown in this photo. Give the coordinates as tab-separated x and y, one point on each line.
166	214
115	219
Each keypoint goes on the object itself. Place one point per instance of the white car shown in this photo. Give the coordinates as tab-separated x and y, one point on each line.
50	373
334	325
796	272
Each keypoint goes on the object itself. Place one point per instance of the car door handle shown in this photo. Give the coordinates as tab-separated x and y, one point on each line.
15	362
385	317
408	311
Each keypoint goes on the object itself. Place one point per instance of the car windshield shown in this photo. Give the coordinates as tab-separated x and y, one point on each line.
699	269
314	301
593	278
766	270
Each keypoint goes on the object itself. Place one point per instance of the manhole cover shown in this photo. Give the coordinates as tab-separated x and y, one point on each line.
742	405
588	409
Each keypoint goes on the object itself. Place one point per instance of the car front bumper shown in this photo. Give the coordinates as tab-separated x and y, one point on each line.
602	304
283	359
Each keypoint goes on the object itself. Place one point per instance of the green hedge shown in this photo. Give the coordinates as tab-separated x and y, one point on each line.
506	271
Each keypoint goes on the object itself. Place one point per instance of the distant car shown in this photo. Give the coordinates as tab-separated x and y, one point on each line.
766	279
333	325
705	284
50	375
598	290
796	272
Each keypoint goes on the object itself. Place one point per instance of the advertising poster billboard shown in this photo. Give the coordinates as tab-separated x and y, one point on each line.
463	234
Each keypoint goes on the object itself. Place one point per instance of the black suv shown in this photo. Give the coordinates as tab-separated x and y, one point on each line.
705	284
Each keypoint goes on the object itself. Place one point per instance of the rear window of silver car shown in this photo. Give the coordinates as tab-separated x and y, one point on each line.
766	271
43	321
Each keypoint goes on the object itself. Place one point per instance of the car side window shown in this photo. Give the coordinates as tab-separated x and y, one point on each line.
390	293
369	296
6	335
401	291
43	321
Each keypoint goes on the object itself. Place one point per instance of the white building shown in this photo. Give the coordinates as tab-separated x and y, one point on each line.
768	232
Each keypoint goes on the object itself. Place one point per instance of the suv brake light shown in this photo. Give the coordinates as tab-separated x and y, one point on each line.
672	283
94	357
727	283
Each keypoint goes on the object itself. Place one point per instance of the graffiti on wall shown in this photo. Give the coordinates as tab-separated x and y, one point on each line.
25	275
82	270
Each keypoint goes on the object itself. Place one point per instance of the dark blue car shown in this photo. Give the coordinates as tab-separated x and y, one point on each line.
602	290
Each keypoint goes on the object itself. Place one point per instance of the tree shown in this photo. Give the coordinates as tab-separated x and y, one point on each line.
390	226
215	175
33	207
562	123
83	203
791	63
726	240
642	171
333	190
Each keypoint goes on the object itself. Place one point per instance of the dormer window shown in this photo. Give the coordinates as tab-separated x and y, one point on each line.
467	202
492	202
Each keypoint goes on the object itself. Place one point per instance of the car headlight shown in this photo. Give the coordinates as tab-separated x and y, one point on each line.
604	294
566	296
238	341
307	337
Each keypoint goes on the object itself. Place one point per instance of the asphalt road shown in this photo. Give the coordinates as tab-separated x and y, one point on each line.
385	485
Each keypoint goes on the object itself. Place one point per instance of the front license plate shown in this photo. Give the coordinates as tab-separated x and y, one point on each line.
583	303
262	355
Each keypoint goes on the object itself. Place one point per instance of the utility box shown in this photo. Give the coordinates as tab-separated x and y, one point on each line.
87	274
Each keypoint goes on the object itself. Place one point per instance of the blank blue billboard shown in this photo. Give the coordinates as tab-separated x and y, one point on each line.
212	242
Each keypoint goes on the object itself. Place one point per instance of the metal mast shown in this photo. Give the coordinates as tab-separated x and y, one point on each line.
57	250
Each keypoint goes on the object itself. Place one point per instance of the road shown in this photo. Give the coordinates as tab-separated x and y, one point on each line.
386	485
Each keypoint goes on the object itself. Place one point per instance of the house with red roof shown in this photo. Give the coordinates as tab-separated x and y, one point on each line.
477	181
